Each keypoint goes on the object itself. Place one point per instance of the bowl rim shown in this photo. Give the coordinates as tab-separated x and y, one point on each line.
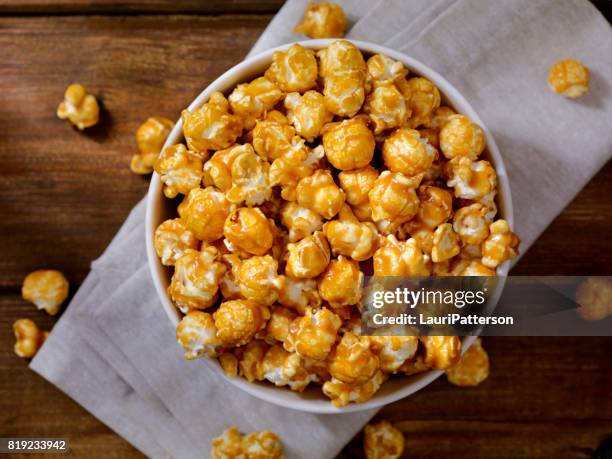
226	81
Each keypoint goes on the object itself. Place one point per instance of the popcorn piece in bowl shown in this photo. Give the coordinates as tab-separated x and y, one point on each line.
229	363
501	245
46	288
307	113
300	221
150	137
471	223
28	338
283	368
179	170
309	257
341	283
436	206
401	258
320	194
79	107
472	368
393	351
349	144
357	184
383	70
471	179
341	393
387	107
247	229
476	268
352	361
171	240
298	294
344	94
441	352
197	334
322	20
294	69
313	335
394	200
238	321
569	77
423	99
251	360
460	137
445	243
298	163
272	136
349	237
406	152
252	100
383	441
259	281
279	323
341	58
204	212
249	179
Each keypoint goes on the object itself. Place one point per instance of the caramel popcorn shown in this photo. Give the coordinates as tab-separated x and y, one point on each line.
294	69
406	152
298	294
423	99
272	136
350	237
180	171
474	268
349	144
171	240
387	107
279	323
307	113
472	368
313	335
204	212
445	243
393	351
322	20
594	296
212	126
229	363
284	368
249	179
300	221
262	445
394	200
217	170
401	258
471	180
79	107
415	365
238	321
229	284
340	58
320	194
440	117
341	283
197	334
341	393
309	257
150	137
383	441
298	163
569	77
196	278
344	94
46	288
501	245
357	184
436	205
249	230
383	70
352	361
251	360
471	223
259	280
441	352
252	100
460	137
28	338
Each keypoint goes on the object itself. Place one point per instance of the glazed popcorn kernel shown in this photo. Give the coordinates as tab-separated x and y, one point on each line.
387	107
357	184
284	368
423	99
262	445
298	163
382	441
229	284
313	335
307	113
320	194
79	107
238	321
445	243
28	338
394	200
171	240
218	169
471	223
474	268
212	126
352	361
341	393
252	100
279	323
400	258
569	77
473	367
259	281
309	257
344	95
471	180
460	137
180	171
349	144
382	69
47	289
594	296
204	212
350	237
441	352
298	294
501	244
229	363
340	58
300	221
406	152
139	166
249	179
294	69
196	278
247	229
322	20
415	365
150	137
393	351
197	334
341	282
272	136
250	361
436	205
228	445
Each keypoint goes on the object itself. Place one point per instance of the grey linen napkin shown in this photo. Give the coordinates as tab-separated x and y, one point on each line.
113	350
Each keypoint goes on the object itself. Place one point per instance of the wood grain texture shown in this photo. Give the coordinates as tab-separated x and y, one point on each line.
64	194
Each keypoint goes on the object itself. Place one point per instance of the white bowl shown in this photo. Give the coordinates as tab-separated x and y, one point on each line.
159	209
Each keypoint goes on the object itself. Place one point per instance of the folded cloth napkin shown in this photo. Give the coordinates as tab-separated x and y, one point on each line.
113	349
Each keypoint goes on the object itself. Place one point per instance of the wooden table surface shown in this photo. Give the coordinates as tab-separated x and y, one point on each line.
63	195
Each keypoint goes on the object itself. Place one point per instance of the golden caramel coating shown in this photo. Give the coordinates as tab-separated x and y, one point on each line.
440	116
569	77
363	211
393	351
406	152
383	70
501	244
460	137
294	69
196	278
320	194
394	200
357	184
259	281
272	136
471	223
46	288
229	285
298	294
424	238
313	335
296	164
197	334
441	352
349	144
423	99
229	363
344	95
279	323
474	268
594	295
349	237
383	441
262	445
79	107
309	257
339	58
217	170
247	229
352	361
250	360
284	368
471	180
180	171
386	107
238	321
249	179
204	212
307	113
445	243
415	365
436	205
341	283
139	166
300	221
28	338
171	239
322	20
473	367
212	126
432	136
151	136
228	445
252	100
341	393
400	258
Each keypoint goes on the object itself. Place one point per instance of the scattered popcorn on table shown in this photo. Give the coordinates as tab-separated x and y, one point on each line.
262	445
569	77
46	288
180	170
150	136
472	368
197	334
382	441
322	20
79	107
28	338
594	296
441	352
